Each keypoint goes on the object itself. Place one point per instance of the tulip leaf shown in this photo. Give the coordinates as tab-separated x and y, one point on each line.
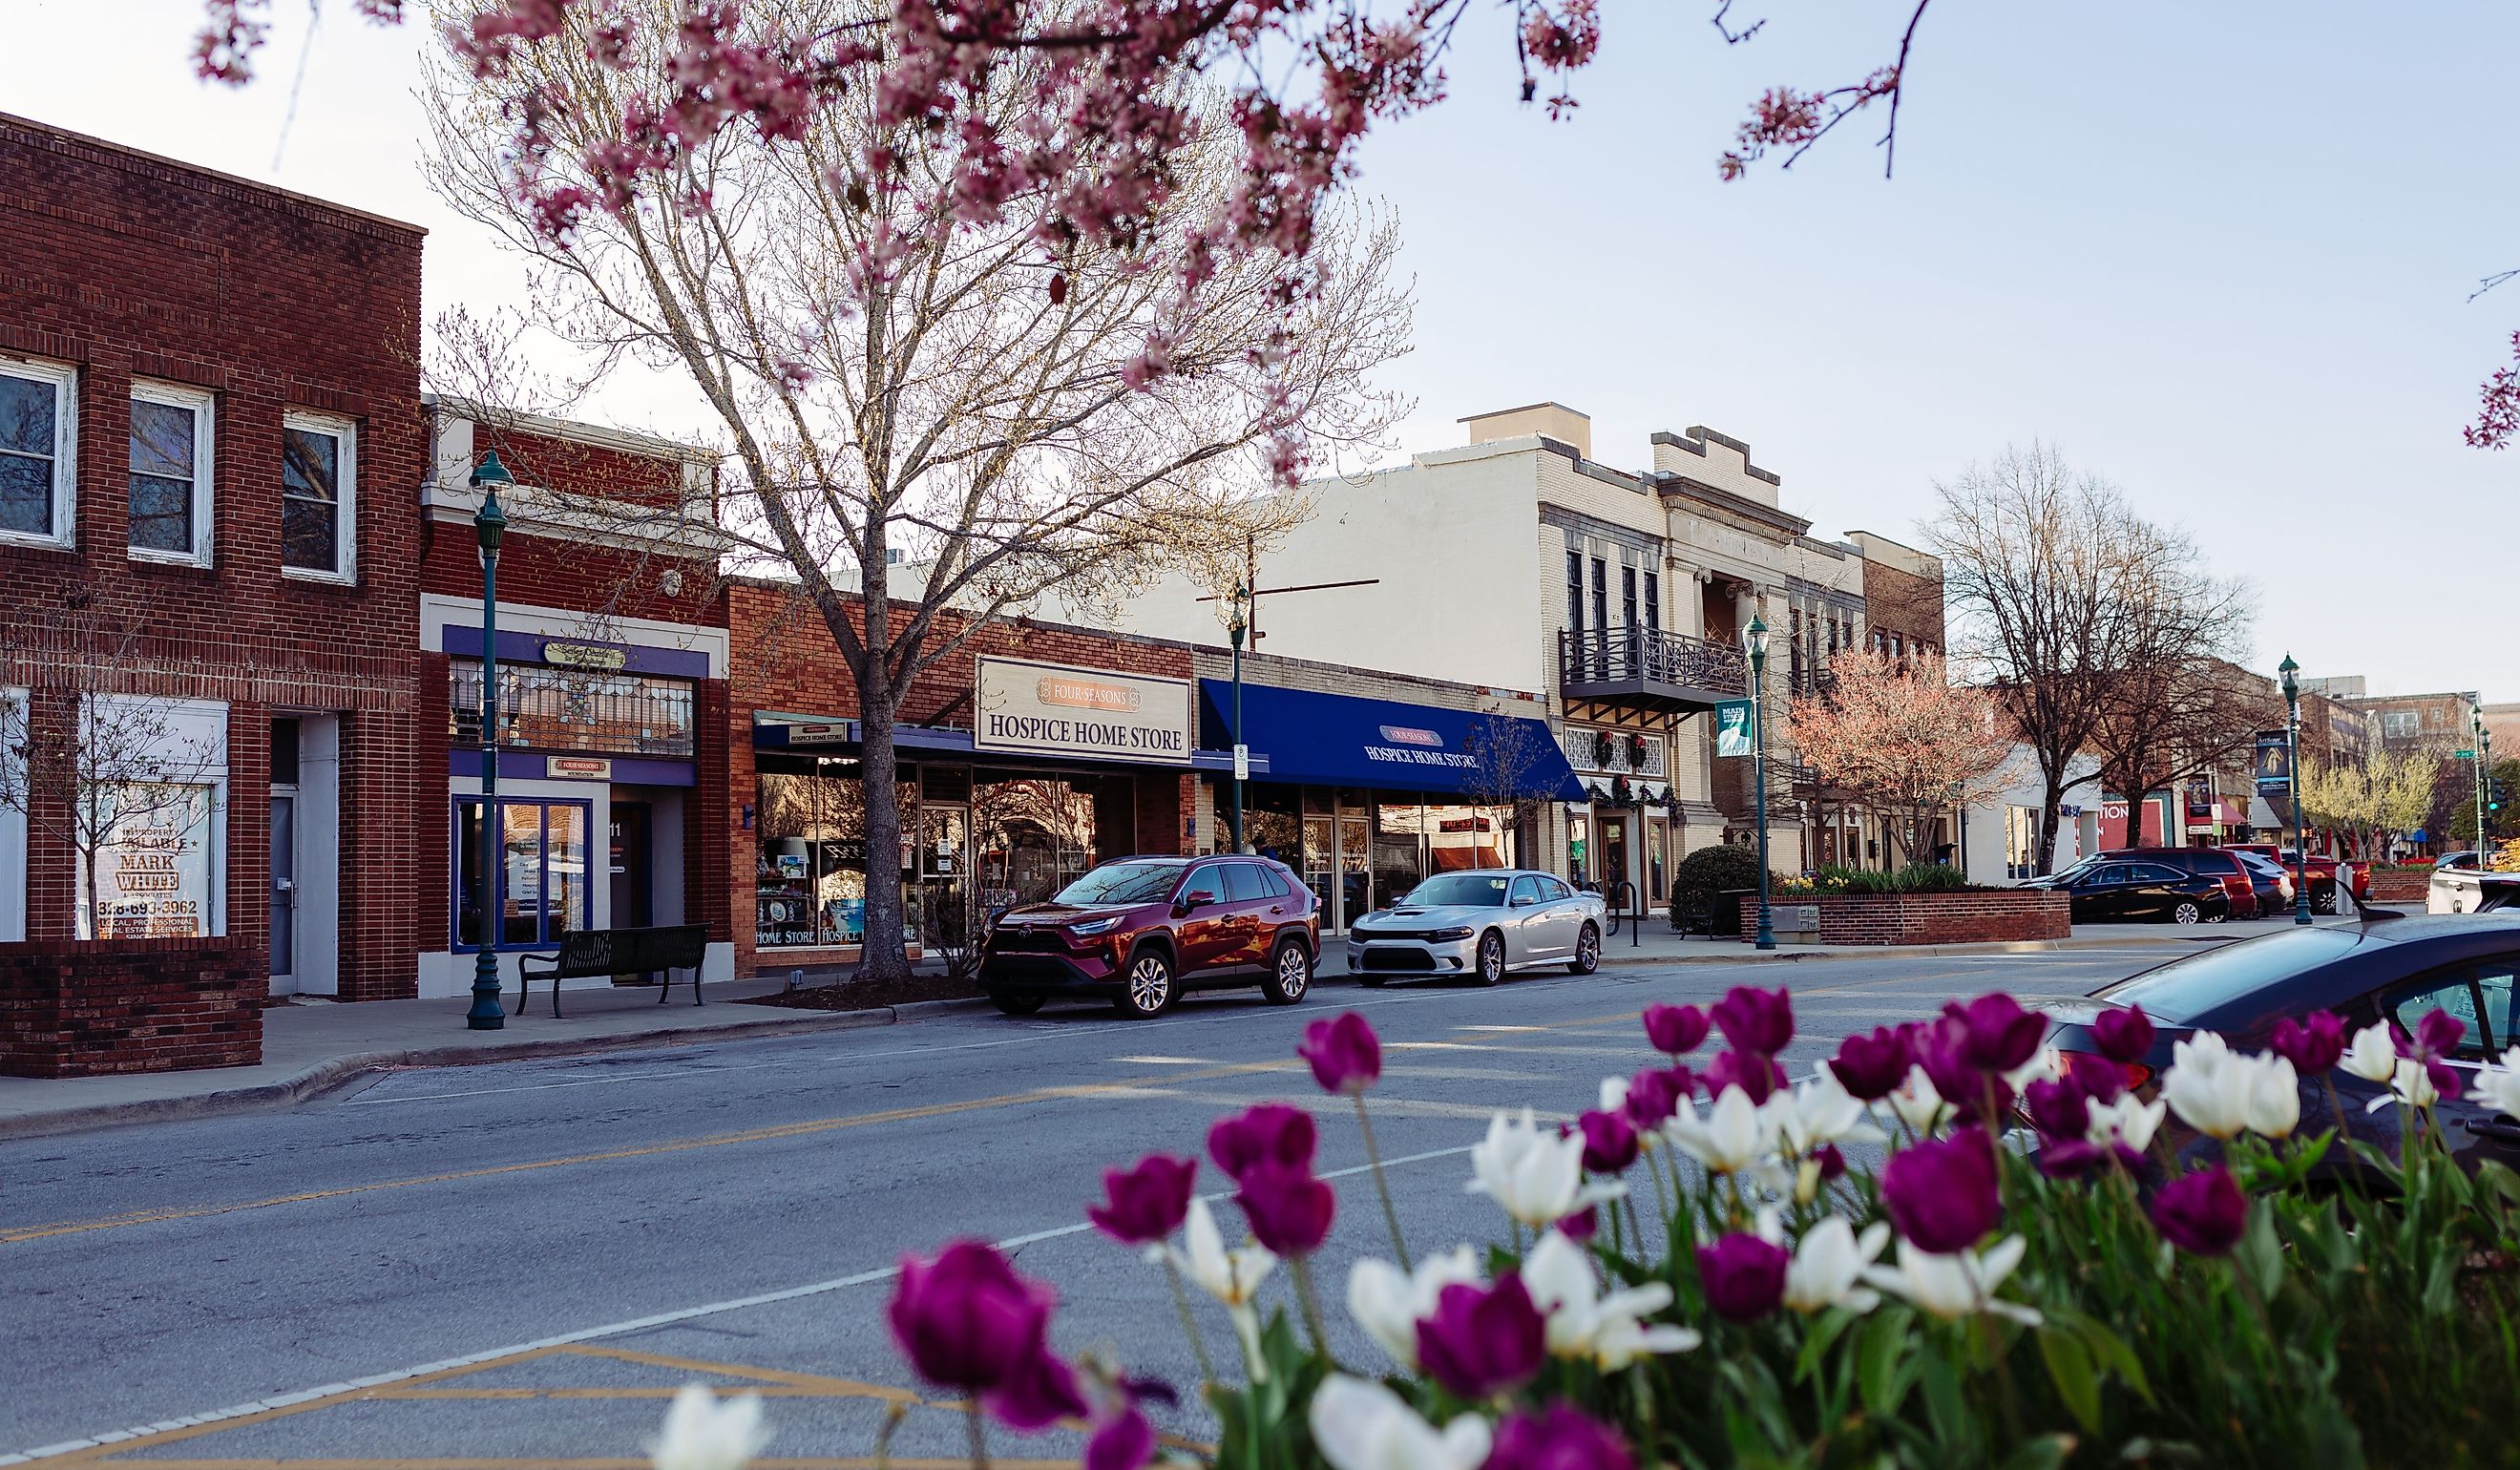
2441	1288
2069	1368
2260	1253
2045	1452
1884	1370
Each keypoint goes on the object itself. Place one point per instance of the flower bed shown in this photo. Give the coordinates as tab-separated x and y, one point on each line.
1975	915
1852	1269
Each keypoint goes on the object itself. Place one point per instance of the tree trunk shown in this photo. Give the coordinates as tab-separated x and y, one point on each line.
884	955
2134	818
2051	806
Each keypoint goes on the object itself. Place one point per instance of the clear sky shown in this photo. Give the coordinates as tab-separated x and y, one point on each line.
2217	253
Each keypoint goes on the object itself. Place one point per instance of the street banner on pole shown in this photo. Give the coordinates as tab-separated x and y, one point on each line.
2273	763
1734	720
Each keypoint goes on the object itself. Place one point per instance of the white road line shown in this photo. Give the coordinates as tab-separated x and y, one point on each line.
610	1330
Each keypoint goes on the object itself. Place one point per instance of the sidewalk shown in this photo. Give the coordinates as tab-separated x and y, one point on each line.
313	1045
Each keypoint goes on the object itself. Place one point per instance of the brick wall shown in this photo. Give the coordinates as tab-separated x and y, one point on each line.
73	1009
1978	916
1903	602
541	572
582	468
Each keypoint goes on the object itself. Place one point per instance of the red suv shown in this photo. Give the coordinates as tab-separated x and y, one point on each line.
1139	931
2204	861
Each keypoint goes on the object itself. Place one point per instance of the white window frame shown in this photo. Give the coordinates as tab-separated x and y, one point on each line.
345	534
64	381
204	409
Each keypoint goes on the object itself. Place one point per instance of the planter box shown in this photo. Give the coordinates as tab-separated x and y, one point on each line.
2400	885
84	1008
1976	917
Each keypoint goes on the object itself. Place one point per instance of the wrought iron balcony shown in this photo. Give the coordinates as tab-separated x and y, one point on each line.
1649	668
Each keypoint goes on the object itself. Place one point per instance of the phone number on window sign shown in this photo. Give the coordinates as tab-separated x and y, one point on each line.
1084	734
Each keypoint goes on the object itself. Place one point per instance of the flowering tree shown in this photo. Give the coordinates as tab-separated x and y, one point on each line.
1902	740
941	402
2370	799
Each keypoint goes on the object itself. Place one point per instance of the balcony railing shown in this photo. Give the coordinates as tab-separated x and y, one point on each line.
1650	665
563	709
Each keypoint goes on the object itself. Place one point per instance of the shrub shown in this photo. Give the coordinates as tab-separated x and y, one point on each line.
1704	873
1914	877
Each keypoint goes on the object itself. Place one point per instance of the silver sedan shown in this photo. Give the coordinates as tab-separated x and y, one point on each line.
1481	922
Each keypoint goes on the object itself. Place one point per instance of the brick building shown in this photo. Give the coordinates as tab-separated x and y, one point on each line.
208	396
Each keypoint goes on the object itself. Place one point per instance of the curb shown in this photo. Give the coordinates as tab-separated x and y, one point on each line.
335	1072
1748	955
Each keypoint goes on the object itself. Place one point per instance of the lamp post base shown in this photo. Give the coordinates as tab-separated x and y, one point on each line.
486	1013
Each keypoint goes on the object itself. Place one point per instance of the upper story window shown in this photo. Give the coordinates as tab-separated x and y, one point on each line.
170	473
1575	589
319	497
1600	593
1653	602
543	708
1628	597
38	447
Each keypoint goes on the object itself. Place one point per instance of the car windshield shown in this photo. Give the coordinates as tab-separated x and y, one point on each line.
1123	883
2183	990
1460	890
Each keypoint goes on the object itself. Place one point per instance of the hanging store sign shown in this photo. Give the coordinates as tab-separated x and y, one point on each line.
580	768
1052	709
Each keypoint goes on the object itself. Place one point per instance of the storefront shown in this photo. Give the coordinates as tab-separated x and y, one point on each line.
1619	837
1366	797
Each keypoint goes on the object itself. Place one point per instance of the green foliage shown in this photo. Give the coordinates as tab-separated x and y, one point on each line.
1914	877
1704	873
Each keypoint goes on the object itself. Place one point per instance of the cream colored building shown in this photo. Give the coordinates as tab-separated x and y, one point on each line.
1615	600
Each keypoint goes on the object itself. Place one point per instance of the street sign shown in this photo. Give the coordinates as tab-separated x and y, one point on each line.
2462	755
1734	720
1242	761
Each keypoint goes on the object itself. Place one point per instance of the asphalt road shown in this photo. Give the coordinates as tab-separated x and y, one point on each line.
585	1234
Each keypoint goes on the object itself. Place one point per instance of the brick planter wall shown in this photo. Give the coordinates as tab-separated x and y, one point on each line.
2400	885
1971	917
70	1008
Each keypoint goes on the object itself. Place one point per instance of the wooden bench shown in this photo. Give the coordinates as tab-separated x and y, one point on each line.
586	953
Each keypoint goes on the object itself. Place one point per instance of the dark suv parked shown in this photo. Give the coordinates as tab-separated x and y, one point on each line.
2238	884
1139	931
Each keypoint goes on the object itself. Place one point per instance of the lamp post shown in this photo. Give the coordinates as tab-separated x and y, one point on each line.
490	526
1237	625
2292	767
2484	773
1757	636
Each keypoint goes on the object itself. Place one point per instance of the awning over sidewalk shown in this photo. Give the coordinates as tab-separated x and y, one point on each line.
1342	740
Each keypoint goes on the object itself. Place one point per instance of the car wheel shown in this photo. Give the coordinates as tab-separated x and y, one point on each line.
1491	968
1588	952
1148	988
1016	1006
2217	915
2187	912
1290	972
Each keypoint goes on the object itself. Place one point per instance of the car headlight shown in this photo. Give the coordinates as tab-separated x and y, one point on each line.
1459	931
1096	926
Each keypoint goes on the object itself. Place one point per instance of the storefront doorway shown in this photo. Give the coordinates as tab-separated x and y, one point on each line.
1612	824
632	864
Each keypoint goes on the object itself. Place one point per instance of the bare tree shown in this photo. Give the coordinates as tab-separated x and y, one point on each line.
1507	755
2173	711
107	772
2048	573
1900	739
938	407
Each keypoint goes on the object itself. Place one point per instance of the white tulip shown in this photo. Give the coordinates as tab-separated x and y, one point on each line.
2412	1084
1828	1266
1357	1425
2042	1067
1232	1276
1914	1103
1730	1136
1608	1331
1614	1094
2125	1121
2208	1086
702	1434
1389	1305
2500	1085
2274	1096
1958	1284
1536	1176
2372	1055
1822	1112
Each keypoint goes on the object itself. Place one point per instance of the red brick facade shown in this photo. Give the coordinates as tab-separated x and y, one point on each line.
1978	916
73	1009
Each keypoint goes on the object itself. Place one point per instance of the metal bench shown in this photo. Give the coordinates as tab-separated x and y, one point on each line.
586	953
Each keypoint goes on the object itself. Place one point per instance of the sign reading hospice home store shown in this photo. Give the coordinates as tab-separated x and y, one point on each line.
1088	714
1407	745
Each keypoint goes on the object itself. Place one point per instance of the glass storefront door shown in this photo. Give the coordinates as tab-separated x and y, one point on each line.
1320	862
1613	827
1354	868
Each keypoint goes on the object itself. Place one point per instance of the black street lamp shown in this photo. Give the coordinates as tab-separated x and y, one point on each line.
490	525
1757	636
2292	764
2481	749
1238	623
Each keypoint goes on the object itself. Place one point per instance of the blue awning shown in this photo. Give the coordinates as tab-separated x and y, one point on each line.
1341	741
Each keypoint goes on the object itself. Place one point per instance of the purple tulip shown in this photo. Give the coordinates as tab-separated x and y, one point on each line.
1872	1067
1758	1076
2313	1044
1290	1211
1581	1226
1996	1033
1832	1164
1676	1029
1558	1438
1610	1142
1760	1021
2070	1158
1941	1193
2437	1035
1271	1130
2100	1078
1483	1340
1145	1204
2203	1212
1345	1055
1123	1441
2060	1110
2124	1036
965	1320
1040	1392
1655	1093
1943	1050
1745	1276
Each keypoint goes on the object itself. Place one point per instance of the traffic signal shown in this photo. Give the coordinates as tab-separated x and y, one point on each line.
2493	795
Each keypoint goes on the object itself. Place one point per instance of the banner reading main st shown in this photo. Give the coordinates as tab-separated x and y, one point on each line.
1091	714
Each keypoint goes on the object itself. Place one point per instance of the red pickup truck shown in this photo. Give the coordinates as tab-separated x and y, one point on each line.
2321	871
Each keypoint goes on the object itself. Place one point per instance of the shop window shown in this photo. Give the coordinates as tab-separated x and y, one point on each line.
38	452
170	473
319	497
540	883
149	821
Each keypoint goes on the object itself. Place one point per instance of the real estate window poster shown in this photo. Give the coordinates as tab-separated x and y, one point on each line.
154	864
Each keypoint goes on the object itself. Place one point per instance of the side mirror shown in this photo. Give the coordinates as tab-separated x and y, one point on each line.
1522	900
1194	899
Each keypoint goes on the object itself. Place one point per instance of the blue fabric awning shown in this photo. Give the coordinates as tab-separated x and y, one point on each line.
1342	740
